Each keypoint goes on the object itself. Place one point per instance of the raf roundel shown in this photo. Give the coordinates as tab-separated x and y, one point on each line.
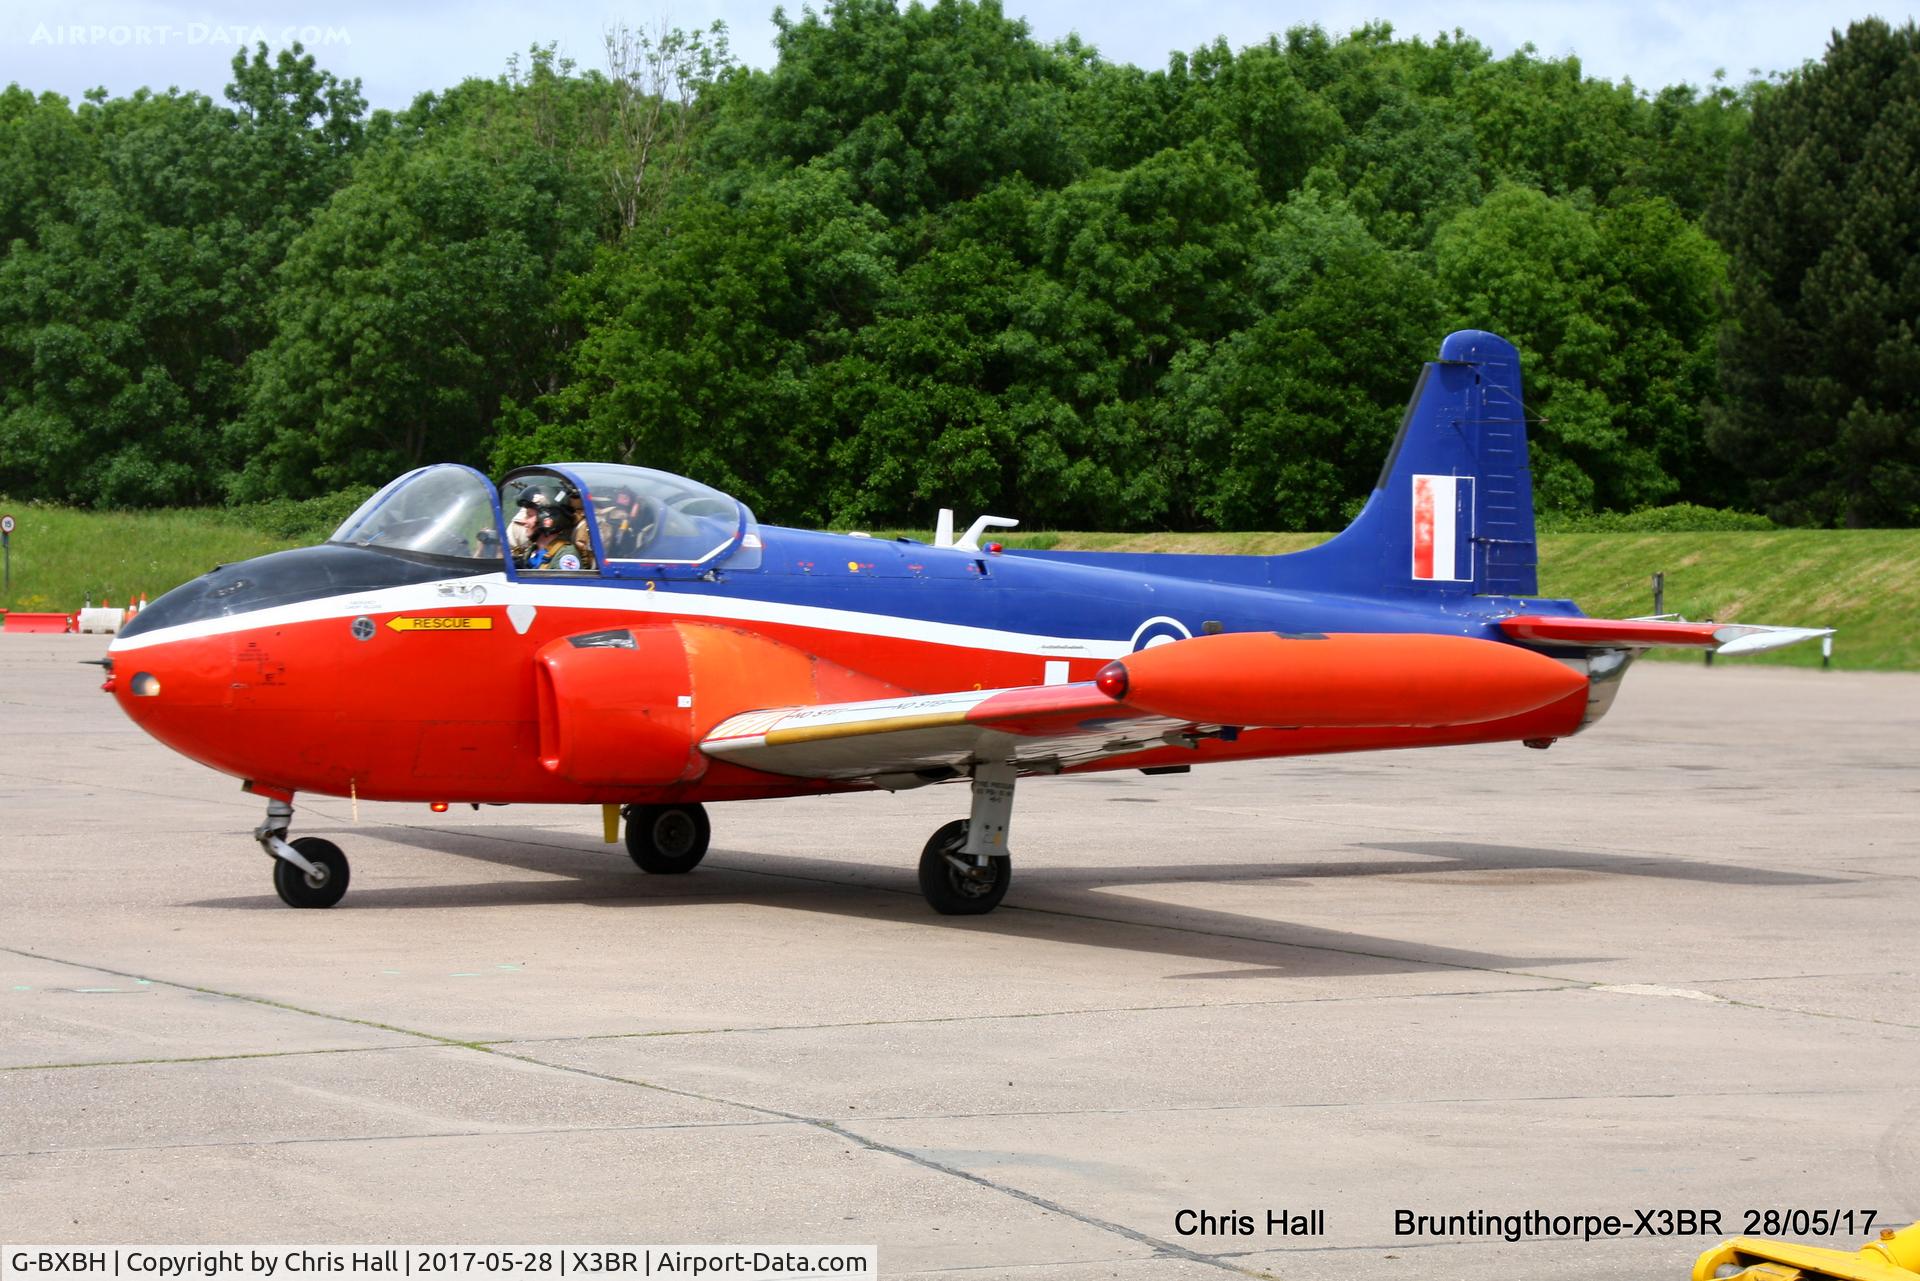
1159	630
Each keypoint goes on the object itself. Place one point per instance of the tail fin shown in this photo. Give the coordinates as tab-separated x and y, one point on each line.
1452	513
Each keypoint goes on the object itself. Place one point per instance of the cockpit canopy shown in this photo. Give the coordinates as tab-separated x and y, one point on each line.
643	521
444	510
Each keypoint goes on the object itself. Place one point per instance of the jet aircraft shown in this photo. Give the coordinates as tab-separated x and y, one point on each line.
677	653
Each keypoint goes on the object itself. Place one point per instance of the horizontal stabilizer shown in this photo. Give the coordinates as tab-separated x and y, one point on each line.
1753	638
1648	633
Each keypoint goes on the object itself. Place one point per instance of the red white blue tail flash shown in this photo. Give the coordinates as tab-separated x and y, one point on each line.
1443	528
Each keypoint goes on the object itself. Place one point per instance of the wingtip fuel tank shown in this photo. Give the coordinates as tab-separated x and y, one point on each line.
1359	681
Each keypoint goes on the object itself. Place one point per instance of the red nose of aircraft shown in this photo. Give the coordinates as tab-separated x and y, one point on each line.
187	692
242	669
204	668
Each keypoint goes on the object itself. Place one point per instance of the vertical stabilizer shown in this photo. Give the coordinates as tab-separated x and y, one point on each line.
1452	513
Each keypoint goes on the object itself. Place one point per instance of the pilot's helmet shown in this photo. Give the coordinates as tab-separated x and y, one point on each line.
553	517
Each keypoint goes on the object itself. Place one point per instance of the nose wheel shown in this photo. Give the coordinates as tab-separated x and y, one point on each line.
309	872
321	887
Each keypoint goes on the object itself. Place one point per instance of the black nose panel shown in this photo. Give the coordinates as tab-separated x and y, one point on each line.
285	578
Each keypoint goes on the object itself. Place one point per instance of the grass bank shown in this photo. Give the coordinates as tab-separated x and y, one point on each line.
1865	582
61	557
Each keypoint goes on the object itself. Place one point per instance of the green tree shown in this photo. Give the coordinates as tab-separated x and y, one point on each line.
1255	100
703	338
923	259
143	233
656	100
1692	136
1283	424
45	152
1820	359
1614	311
1116	115
922	105
411	311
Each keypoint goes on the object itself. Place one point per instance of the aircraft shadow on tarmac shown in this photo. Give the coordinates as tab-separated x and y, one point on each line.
1499	858
1062	904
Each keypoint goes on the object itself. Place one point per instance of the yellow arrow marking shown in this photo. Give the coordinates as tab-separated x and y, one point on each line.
442	623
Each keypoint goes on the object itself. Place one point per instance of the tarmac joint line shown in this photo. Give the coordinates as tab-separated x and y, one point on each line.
1167	1249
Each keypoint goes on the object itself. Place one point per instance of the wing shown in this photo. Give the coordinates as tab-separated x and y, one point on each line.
1644	633
1159	696
901	742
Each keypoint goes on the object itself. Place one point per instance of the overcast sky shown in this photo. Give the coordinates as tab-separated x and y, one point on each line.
399	48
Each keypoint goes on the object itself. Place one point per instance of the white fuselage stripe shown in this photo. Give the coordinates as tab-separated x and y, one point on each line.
423	597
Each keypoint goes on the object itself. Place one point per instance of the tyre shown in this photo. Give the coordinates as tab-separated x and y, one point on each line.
667	839
952	892
301	889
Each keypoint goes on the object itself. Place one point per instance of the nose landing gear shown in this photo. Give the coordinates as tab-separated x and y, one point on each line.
309	872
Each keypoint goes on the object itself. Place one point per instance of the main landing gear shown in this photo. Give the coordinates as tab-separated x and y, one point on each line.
309	872
667	839
965	868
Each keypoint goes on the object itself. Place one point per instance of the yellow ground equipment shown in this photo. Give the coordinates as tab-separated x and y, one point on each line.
1894	1257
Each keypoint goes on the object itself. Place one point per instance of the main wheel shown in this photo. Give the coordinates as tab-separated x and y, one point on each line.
961	890
304	889
667	838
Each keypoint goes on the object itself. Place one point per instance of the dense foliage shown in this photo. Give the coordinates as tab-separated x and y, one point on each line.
1821	352
926	260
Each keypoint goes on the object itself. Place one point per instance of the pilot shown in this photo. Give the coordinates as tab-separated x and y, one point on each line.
623	523
553	546
626	526
520	529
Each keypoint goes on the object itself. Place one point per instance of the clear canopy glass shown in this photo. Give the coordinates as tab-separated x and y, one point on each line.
443	510
642	518
648	517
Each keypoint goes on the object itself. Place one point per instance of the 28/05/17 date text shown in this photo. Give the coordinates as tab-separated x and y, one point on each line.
1655	1222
